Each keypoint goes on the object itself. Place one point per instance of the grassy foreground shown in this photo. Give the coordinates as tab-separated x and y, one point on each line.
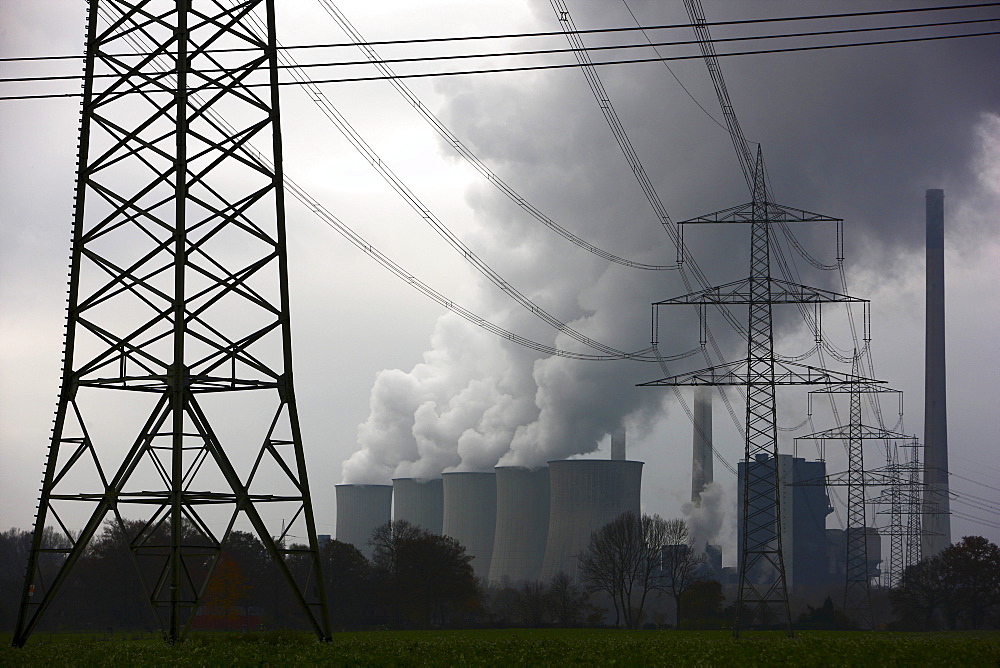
518	647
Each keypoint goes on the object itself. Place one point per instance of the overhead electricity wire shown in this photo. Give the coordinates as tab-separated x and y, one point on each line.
972	518
607	108
530	68
359	242
465	38
975	482
551	51
463	150
741	145
669	69
697	18
433	221
352	32
994	505
618	130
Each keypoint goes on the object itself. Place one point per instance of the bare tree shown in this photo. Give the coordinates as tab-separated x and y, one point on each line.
532	606
622	559
679	563
426	578
567	603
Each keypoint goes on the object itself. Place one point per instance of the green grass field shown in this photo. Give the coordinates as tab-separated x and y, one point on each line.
498	647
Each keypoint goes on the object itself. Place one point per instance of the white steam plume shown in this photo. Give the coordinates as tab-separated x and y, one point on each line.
705	519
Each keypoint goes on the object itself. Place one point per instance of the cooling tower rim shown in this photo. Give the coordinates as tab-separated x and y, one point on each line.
356	485
468	473
419	481
513	467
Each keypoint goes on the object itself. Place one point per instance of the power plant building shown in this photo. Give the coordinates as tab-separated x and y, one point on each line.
419	502
804	508
585	494
360	509
522	524
470	515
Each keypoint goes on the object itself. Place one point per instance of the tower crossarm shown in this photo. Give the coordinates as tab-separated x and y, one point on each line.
780	292
864	387
842	479
861	431
775	214
735	373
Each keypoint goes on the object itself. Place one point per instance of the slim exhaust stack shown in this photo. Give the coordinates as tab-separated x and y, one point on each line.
618	446
701	464
936	519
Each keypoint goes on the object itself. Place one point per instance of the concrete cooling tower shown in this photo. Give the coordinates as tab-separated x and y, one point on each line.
419	502
470	515
361	508
522	524
585	495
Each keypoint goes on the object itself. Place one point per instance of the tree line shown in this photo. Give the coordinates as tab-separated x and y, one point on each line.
631	569
956	589
414	579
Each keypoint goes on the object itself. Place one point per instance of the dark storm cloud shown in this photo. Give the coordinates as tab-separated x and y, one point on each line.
857	134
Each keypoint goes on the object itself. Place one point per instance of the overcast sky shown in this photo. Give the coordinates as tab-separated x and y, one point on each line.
389	384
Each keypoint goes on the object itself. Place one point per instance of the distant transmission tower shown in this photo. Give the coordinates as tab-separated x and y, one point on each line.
857	587
914	506
895	531
177	417
762	571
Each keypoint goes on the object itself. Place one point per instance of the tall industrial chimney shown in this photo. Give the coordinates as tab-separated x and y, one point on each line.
618	446
701	464
937	518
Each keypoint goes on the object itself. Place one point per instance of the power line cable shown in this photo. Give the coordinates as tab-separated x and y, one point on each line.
435	223
669	69
740	143
464	151
597	88
972	518
465	38
541	52
253	154
531	68
975	482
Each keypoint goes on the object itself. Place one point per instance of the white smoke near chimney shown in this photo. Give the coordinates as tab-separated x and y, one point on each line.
456	410
526	410
475	401
705	519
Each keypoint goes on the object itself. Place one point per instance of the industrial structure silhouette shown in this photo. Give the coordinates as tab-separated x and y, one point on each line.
178	318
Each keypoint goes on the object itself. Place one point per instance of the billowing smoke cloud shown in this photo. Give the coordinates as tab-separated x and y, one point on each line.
704	519
457	410
849	133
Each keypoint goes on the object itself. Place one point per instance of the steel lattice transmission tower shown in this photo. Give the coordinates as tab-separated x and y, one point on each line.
857	586
895	531
903	495
177	418
914	507
762	571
